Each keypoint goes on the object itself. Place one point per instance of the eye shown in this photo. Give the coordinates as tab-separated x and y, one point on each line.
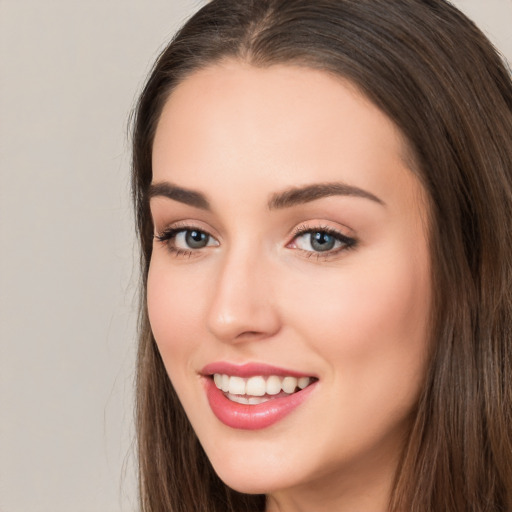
192	239
184	240
321	240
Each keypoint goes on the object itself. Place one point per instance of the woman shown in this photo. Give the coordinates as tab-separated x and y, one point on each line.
323	193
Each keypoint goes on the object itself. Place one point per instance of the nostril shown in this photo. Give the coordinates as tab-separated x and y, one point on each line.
250	335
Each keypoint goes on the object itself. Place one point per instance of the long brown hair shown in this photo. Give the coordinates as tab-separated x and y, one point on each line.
439	79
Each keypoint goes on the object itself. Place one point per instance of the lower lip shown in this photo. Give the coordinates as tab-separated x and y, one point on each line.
253	417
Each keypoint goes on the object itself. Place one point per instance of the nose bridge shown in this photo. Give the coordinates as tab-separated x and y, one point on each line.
242	303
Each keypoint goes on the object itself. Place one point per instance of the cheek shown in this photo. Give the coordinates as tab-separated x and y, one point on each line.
173	302
369	320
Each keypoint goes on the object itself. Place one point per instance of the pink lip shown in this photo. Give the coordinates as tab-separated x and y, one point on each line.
249	370
251	417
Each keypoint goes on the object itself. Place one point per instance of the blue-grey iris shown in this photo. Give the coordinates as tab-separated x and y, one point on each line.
321	241
196	239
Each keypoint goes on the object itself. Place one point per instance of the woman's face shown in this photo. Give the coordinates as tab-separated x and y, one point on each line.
291	250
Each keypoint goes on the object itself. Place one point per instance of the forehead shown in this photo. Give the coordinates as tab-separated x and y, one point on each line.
287	124
233	90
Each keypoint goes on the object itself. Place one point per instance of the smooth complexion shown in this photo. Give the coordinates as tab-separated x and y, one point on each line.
251	286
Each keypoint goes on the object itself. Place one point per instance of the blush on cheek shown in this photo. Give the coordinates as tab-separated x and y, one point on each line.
174	310
366	315
163	308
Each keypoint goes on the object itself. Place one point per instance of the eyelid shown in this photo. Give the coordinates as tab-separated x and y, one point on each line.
183	225
348	242
166	236
323	225
169	233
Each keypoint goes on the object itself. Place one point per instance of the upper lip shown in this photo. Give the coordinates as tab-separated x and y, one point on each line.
250	370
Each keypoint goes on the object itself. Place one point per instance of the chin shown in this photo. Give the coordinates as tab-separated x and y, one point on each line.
255	477
253	484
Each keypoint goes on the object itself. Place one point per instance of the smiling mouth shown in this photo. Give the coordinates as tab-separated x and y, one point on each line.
259	389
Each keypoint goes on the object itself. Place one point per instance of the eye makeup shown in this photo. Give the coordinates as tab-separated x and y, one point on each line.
324	241
320	242
185	240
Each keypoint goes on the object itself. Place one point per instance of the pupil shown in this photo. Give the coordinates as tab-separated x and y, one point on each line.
196	239
322	241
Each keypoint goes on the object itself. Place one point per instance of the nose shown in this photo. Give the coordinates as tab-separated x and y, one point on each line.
243	304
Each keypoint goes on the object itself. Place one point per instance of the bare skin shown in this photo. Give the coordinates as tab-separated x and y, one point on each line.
351	311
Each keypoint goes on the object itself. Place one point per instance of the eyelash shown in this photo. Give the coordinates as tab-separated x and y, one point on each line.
347	243
169	234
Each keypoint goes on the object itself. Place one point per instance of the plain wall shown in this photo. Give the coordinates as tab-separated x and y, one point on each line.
69	73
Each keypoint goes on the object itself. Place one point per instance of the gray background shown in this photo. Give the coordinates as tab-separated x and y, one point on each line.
69	73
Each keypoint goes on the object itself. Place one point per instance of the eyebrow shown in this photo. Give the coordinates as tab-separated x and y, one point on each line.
279	200
183	195
308	193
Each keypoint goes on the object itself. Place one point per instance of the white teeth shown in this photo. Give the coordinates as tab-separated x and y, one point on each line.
236	386
289	384
257	386
255	400
217	378
225	383
243	399
273	385
303	382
